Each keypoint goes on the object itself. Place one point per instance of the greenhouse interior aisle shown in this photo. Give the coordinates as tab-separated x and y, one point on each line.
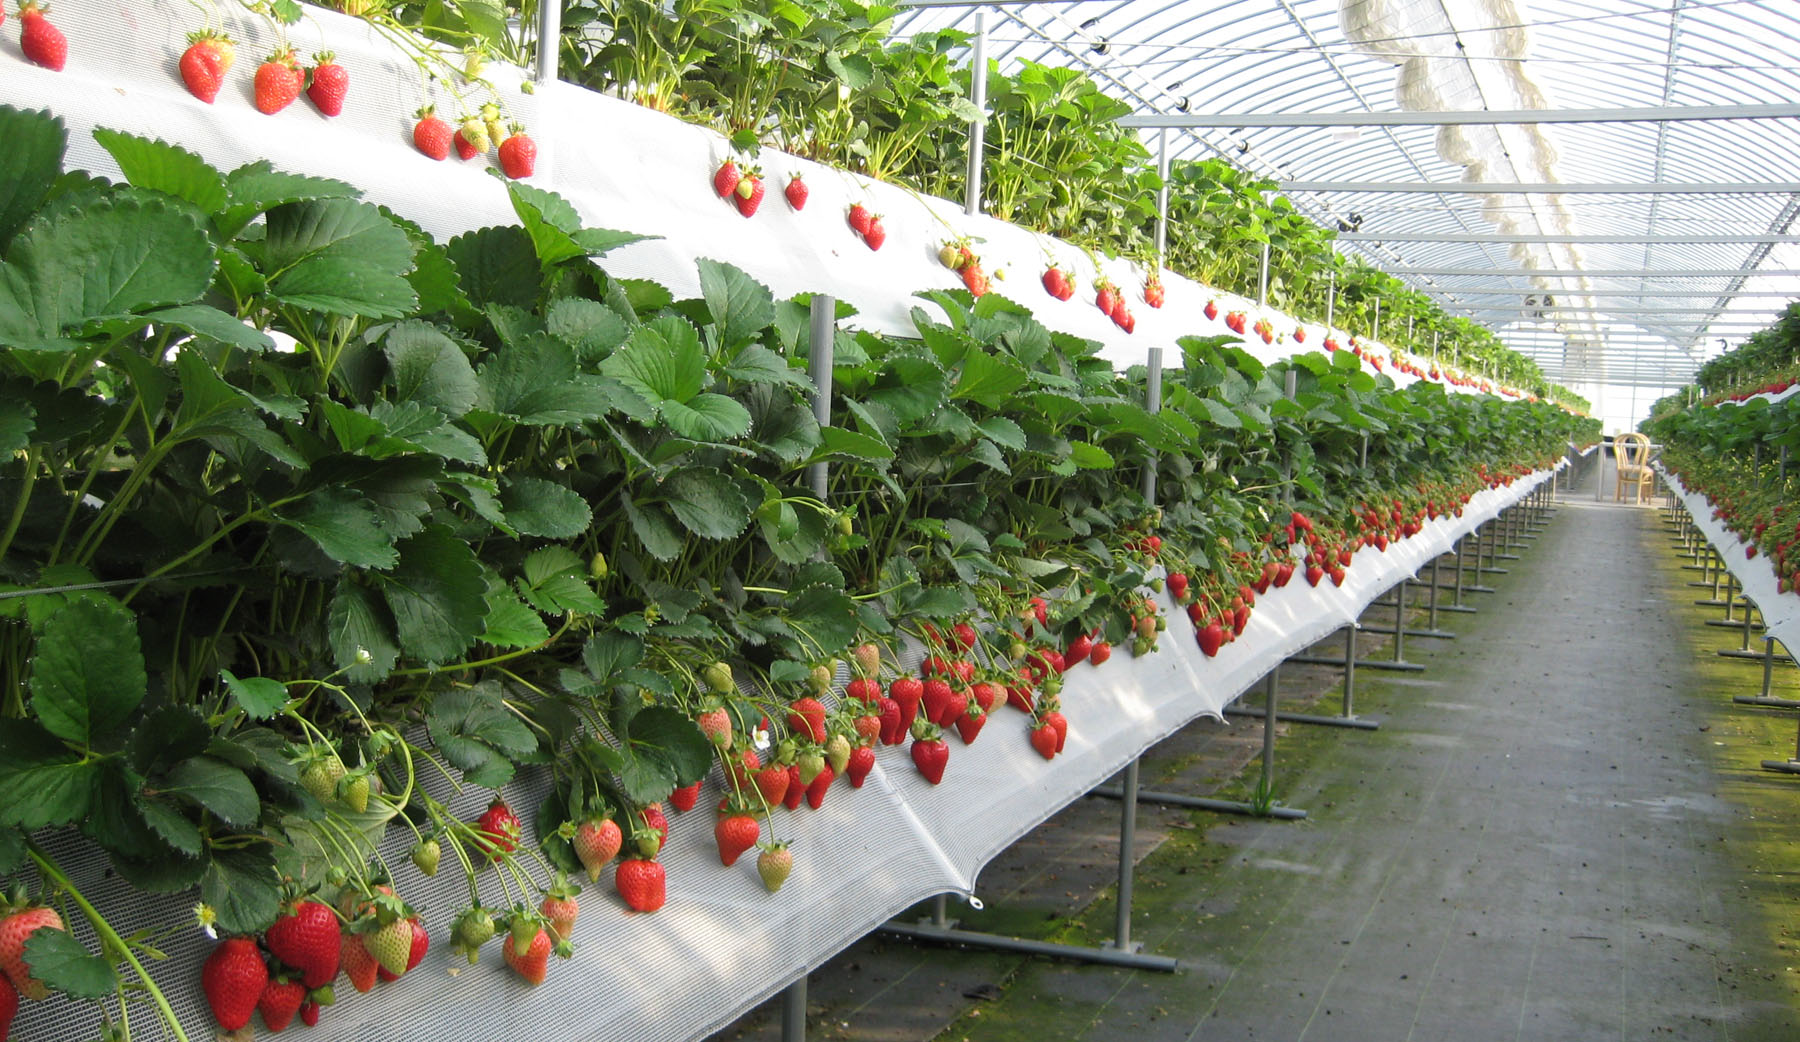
1531	847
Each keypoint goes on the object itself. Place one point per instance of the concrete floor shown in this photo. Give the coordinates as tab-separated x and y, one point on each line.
1534	846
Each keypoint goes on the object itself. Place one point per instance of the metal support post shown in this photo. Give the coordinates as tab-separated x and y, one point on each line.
1787	766
1271	684
978	127
1765	699
1458	606
823	341
1347	718
549	40
1127	837
1350	671
1484	545
1262	282
1743	650
1331	303
793	1011
1399	658
1162	197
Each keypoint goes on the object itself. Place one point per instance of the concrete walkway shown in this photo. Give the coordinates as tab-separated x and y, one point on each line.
1536	845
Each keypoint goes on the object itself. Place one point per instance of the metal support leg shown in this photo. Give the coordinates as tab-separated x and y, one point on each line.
1348	717
1127	839
1399	626
1765	699
1743	650
1787	766
793	1011
949	934
1271	685
1488	544
1350	671
1458	605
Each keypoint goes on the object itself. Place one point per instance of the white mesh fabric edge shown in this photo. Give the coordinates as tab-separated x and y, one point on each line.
1781	618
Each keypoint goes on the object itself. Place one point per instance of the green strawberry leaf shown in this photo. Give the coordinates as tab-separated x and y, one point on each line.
259	697
358	621
60	961
436	594
162	167
428	367
87	672
241	885
707	502
217	786
341	257
29	165
741	307
536	507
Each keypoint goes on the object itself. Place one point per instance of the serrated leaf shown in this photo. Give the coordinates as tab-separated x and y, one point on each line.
168	733
783	426
510	623
435	594
590	327
838	442
756	364
173	827
428	367
549	220
29	165
663	361
708	502
542	563
60	961
87	671
217	786
346	526
12	850
653	527
536	382
241	887
475	731
707	417
662	749
1003	432
1089	456
988	454
358	621
566	592
258	187
41	783
988	379
341	257
163	167
536	507
496	266
740	306
259	697
826	616
117	255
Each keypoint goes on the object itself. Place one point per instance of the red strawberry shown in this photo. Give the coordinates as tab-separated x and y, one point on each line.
1210	637
641	883
1212	310
534	962
596	842
726	178
1106	298
14	929
518	154
684	797
330	84
309	1015
796	789
749	194
1079	649
307	939
877	234
864	689
9	996
1019	695
467	146
892	732
657	822
278	82
1043	739
965	635
233	979
969	724
930	754
1283	572
815	790
1314	574
772	782
279	1001
202	70
859	218
43	43
796	192
735	833
862	761
1337	576
907	691
953	709
985	695
561	907
936	697
499	826
1102	651
1055	282
807	716
359	965
431	135
1153	293
935	666
1178	586
1061	724
1300	334
1125	320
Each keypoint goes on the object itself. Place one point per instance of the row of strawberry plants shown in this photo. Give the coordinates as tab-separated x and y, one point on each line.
825	80
1767	362
303	508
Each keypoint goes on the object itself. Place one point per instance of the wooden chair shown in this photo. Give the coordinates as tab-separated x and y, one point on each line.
1631	456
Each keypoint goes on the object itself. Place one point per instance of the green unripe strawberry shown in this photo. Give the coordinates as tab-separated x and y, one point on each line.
321	777
474	929
837	753
774	864
354	791
718	678
425	855
810	762
819	678
391	945
597	569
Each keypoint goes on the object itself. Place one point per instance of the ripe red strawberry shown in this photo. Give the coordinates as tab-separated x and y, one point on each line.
735	833
641	883
534	962
1125	320
499	826
975	280
1283	572
1106	298
749	194
864	689
907	691
518	154
1154	294
1019	695
726	178
796	788
862	761
14	929
1060	724
774	865
1300	334
1178	586
201	68
307	939
1055	282
233	979
9	996
432	135
816	789
796	192
471	139
970	722
1102	651
1212	310
1079	649
935	666
892	733
877	233
359	965
330	84
279	1001
309	1015
1210	637
930	753
684	797
278	82
772	782
1337	576
561	907
596	842
43	43
936	697
859	217
1043	739
806	716
965	635
1314	574
954	709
